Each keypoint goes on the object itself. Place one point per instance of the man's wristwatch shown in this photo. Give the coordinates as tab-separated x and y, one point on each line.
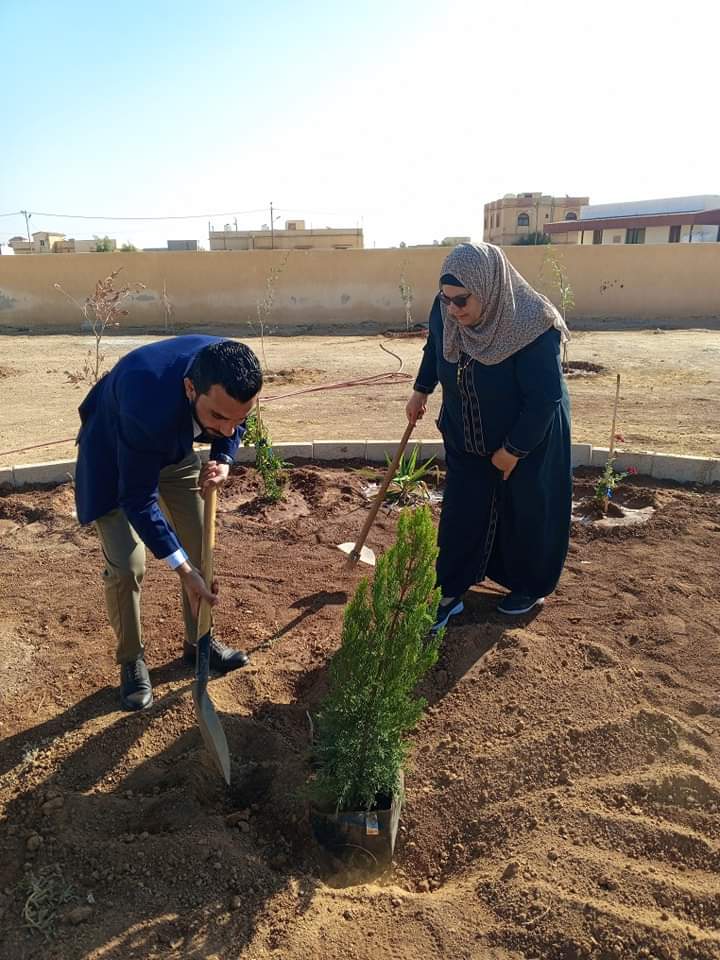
225	458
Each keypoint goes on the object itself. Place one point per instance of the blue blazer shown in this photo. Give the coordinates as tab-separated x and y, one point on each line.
135	421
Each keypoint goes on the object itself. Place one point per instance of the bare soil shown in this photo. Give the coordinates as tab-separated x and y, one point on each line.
670	399
563	799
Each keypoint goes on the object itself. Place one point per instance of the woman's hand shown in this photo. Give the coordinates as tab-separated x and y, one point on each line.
213	474
416	406
504	461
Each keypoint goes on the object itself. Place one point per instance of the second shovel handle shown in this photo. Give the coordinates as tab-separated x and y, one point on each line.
206	563
380	495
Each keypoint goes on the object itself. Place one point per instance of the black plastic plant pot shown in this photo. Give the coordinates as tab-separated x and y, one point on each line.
362	837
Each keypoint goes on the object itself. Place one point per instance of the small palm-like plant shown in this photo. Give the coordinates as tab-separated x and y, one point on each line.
409	485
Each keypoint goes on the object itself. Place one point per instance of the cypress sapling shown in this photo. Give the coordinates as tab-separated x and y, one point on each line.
386	648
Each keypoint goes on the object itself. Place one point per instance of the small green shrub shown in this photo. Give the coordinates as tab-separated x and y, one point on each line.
270	467
607	481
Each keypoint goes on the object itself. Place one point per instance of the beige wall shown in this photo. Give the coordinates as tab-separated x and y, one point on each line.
350	290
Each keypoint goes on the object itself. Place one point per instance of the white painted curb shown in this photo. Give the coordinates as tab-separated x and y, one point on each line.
659	466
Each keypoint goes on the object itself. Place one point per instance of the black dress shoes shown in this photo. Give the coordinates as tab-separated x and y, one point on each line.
135	687
222	659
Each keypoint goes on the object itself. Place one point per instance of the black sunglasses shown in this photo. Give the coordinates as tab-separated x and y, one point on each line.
459	301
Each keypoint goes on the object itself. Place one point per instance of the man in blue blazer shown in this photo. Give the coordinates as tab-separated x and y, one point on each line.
139	479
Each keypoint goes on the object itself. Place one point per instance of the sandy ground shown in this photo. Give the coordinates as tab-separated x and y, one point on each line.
563	794
670	399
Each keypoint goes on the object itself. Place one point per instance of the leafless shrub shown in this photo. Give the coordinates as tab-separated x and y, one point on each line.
265	305
168	309
101	310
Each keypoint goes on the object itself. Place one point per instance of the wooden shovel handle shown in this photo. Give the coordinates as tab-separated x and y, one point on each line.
611	450
380	495
208	548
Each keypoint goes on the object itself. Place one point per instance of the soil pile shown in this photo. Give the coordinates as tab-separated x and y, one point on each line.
563	800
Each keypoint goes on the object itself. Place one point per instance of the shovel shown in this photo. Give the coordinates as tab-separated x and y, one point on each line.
358	551
210	726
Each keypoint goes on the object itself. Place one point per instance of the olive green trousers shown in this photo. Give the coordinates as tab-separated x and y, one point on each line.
124	554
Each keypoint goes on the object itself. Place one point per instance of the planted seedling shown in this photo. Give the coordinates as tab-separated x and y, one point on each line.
610	477
267	463
371	705
606	484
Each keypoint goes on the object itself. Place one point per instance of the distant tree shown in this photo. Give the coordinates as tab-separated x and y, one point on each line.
533	239
103	244
129	248
406	292
553	273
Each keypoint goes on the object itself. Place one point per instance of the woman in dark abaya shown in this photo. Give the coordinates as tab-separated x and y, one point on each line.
494	346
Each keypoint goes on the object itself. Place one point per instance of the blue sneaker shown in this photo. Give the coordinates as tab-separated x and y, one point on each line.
448	607
515	604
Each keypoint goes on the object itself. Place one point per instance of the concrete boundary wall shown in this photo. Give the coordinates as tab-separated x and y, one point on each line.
658	466
352	291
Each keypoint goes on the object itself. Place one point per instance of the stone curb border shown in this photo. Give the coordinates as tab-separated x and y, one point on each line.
659	466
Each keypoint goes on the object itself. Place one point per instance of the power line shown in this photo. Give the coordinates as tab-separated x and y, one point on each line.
190	216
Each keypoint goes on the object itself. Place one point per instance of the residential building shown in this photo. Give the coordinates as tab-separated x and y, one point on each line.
295	236
82	246
668	220
518	216
174	245
453	241
191	245
445	242
43	241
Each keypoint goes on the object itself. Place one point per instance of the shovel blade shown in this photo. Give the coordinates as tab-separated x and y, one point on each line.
365	554
211	729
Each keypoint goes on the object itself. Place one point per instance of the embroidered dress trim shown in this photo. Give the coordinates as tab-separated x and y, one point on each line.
472	418
515	451
421	388
489	538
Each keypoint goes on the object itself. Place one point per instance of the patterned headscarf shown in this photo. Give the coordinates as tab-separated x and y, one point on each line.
513	314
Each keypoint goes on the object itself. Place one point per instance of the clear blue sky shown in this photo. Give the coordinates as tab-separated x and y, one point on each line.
404	116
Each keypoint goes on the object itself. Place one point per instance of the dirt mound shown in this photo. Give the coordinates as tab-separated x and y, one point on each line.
582	368
564	785
293	375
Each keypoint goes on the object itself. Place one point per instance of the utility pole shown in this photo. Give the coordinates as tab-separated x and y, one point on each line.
272	228
27	224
